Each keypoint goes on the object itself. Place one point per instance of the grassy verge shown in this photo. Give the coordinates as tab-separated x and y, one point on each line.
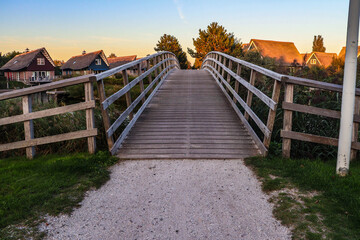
310	198
50	184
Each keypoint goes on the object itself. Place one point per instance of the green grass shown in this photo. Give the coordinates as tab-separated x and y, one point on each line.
319	204
49	184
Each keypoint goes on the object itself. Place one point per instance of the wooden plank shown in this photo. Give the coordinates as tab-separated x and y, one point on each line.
141	83
272	113
238	72
90	118
105	113
47	140
127	94
249	93
355	131
287	122
48	86
28	125
47	113
316	111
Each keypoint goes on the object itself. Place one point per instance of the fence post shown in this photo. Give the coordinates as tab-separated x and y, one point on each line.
228	75
128	94
286	142
249	93
90	118
104	112
224	64
355	133
141	83
238	72
28	125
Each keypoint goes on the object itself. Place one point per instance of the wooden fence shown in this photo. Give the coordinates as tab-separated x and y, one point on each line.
28	115
227	69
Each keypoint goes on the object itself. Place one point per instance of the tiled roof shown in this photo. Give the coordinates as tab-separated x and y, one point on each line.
118	61
83	61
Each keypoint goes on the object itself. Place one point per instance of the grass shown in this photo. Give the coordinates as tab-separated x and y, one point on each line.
52	184
310	198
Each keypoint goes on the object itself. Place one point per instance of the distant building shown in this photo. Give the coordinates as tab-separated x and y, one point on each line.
284	52
94	62
343	52
119	61
245	46
30	67
319	59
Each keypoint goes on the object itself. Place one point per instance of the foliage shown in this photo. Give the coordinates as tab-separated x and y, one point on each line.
112	55
12	84
49	184
325	207
214	38
318	44
7	57
171	44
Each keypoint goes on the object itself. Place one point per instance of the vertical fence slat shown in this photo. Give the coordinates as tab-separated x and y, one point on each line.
355	133
141	83
289	97
105	113
228	78
28	125
128	94
90	118
249	96
238	72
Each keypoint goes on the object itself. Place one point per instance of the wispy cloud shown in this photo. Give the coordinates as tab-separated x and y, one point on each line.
179	8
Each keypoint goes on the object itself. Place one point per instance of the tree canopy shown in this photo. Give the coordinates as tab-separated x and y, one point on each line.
214	38
318	44
112	55
171	44
7	57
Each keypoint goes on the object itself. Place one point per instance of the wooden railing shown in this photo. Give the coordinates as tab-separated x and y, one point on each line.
161	65
221	66
289	107
28	115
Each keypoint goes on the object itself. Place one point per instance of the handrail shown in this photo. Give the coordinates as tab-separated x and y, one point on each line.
163	63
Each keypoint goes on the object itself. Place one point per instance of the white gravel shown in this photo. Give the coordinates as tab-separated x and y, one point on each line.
182	199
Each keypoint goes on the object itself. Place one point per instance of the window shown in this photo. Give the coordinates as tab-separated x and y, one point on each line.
313	61
40	61
97	61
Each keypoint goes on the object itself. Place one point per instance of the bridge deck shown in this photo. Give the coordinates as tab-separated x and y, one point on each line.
189	118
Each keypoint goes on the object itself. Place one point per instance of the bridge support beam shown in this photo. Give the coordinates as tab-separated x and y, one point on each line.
348	96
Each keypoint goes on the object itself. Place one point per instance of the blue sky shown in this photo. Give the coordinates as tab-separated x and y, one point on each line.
127	27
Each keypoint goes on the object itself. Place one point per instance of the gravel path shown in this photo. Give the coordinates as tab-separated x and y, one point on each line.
182	199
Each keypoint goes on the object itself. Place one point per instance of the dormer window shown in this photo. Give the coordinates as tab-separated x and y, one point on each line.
98	61
313	61
40	61
15	62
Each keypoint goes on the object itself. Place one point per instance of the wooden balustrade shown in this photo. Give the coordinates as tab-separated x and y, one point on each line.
215	63
162	64
28	115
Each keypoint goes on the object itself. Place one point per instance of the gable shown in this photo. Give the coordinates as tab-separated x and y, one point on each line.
35	67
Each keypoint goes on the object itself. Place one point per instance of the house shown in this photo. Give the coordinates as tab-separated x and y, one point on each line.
30	67
284	52
118	61
343	52
319	59
86	63
245	46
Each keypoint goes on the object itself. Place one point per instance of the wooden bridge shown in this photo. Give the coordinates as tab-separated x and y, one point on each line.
182	114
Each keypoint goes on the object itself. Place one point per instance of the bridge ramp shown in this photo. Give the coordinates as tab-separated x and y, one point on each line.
189	118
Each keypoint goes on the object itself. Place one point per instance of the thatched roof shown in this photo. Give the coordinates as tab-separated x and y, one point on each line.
118	61
83	61
23	60
285	51
325	59
343	52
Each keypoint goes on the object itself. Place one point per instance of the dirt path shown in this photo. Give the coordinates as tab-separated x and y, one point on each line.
183	199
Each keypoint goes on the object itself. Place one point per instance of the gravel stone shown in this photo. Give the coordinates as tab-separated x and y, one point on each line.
173	199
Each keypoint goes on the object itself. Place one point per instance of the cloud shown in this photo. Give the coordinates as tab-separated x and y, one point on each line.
179	7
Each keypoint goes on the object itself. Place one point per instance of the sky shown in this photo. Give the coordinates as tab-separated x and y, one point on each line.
126	27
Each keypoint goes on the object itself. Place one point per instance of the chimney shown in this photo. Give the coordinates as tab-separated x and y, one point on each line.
26	50
84	52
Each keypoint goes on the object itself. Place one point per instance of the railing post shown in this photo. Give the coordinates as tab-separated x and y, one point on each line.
128	94
90	118
28	125
355	132
286	142
141	83
224	64
148	67
228	75
249	93
105	113
238	72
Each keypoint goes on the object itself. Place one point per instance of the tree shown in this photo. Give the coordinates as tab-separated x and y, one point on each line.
318	44
171	44
214	38
112	55
7	57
